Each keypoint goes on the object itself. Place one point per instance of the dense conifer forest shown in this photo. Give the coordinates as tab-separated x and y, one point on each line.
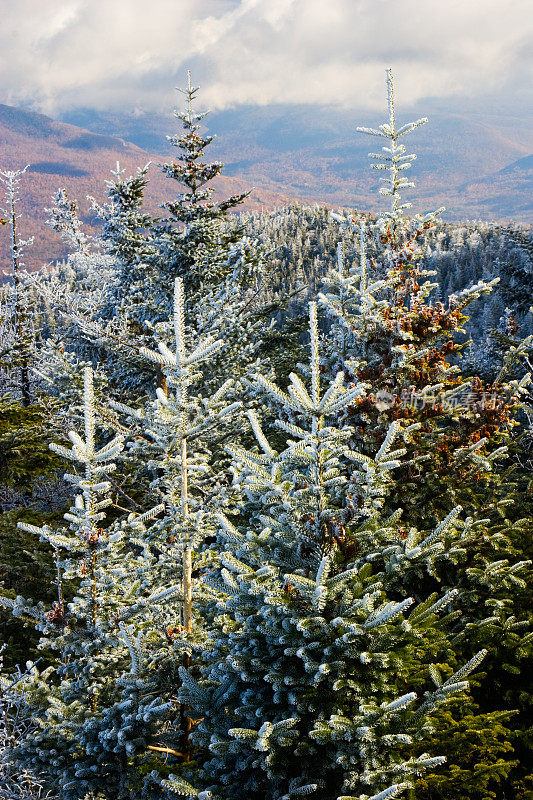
265	495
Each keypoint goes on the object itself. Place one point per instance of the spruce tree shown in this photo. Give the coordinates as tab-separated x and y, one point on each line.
93	712
192	237
387	328
109	717
196	241
175	434
18	348
299	681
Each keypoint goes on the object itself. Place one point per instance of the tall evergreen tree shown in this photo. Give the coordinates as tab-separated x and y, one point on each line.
192	237
136	599
299	684
174	434
196	241
93	719
18	349
386	328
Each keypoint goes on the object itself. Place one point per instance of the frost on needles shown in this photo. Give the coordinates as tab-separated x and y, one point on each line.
305	580
299	682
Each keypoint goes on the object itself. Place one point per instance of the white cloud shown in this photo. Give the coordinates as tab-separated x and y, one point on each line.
129	53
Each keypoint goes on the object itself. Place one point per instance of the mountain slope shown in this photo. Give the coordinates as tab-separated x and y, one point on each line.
505	194
316	154
476	168
65	155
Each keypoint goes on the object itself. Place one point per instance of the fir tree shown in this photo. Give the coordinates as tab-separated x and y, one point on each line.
387	329
94	714
101	726
298	688
14	726
20	347
126	233
175	433
197	242
192	237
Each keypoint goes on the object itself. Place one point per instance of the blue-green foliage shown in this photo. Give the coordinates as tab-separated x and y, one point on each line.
299	685
288	634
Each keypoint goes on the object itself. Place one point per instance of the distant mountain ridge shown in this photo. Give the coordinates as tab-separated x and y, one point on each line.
60	154
476	169
522	164
476	166
505	195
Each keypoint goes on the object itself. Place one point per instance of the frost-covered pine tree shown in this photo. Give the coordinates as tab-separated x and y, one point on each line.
196	241
126	229
119	323
221	267
298	688
14	726
96	716
173	436
192	237
78	284
387	329
17	335
60	294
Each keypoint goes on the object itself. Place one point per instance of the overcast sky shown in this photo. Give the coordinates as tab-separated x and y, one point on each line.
56	55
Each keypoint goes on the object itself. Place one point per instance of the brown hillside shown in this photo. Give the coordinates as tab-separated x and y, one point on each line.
474	164
63	155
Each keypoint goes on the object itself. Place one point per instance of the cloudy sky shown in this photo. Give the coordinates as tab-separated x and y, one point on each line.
56	55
